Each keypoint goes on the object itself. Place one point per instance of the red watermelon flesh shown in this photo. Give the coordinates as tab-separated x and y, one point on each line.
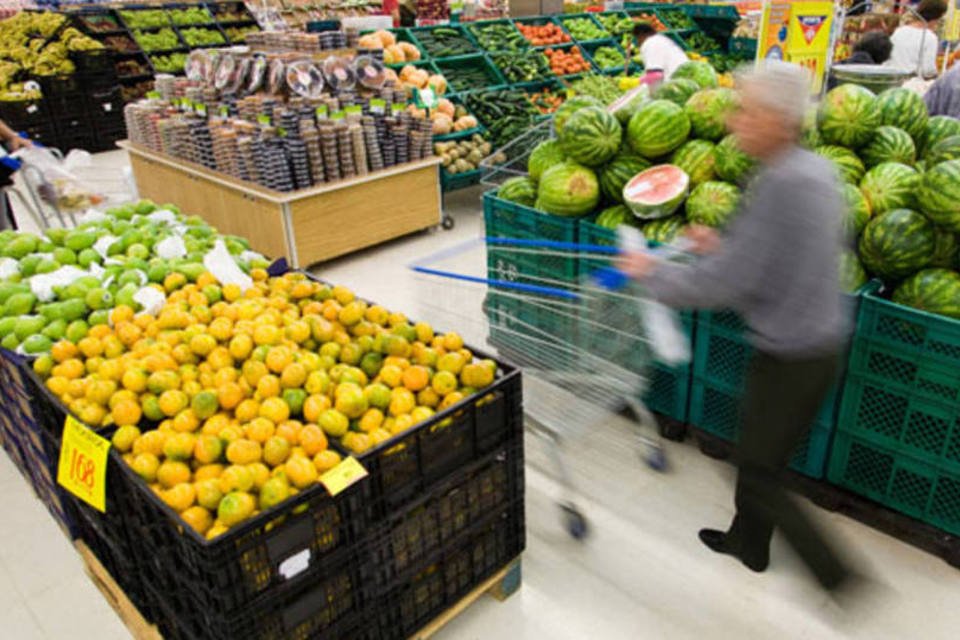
656	192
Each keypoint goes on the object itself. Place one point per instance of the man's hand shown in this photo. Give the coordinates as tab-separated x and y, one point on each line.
636	264
705	239
16	142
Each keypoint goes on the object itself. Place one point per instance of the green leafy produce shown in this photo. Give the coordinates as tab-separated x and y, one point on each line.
444	42
603	88
199	37
466	77
523	66
192	15
608	58
506	114
172	63
161	40
584	29
615	24
145	18
498	36
676	19
701	42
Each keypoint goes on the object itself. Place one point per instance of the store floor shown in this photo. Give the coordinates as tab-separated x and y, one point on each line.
641	574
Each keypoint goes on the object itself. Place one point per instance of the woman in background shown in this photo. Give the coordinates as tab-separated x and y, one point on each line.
915	42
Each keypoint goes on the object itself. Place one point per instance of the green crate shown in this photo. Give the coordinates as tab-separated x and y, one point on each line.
924	346
454	181
902	422
746	46
665	13
429	54
448	67
896	480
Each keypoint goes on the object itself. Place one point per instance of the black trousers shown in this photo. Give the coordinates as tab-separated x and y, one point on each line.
781	401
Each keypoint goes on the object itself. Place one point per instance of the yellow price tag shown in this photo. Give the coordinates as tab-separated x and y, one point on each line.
343	476
83	464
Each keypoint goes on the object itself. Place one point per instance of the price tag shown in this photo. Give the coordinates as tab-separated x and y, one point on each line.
354	110
200	108
396	108
263	119
32	108
83	464
224	111
322	112
107	106
153	95
281	132
343	476
378	105
337	115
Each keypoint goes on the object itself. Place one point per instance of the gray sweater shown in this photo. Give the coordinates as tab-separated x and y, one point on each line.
777	265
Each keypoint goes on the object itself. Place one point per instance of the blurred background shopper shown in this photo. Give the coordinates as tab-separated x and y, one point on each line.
777	266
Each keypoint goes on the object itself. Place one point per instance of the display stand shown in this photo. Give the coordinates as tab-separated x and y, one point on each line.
306	226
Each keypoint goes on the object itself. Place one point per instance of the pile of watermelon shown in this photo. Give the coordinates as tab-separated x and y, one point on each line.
669	163
901	170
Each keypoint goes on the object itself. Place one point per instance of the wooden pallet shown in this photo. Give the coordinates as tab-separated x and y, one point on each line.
833	498
139	628
500	585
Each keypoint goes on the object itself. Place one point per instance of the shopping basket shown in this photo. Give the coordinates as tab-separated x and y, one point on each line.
585	347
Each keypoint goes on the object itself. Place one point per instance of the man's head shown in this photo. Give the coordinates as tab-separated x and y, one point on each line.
931	11
642	31
876	44
773	103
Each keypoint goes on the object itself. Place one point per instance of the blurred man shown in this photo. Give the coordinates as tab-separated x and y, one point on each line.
778	268
659	52
915	42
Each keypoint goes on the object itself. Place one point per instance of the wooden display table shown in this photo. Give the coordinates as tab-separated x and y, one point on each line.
306	226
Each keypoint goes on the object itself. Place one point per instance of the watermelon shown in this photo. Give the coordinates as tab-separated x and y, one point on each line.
613	217
700	72
942	150
708	110
591	136
626	105
618	171
932	290
858	211
897	243
945	251
544	155
568	189
811	137
656	192
852	274
676	90
712	203
696	157
522	190
890	185
938	128
732	164
939	194
571	106
848	116
905	109
663	230
658	128
848	165
889	144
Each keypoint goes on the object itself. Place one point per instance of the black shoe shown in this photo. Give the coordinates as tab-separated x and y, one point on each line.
756	562
716	541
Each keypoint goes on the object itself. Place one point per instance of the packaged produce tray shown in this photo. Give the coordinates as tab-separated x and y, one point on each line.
470	73
721	357
896	479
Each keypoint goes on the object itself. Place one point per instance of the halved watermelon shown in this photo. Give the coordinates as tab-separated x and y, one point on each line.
656	192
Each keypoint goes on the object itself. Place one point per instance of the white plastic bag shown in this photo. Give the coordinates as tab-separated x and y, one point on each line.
150	299
103	244
224	268
8	267
42	285
171	247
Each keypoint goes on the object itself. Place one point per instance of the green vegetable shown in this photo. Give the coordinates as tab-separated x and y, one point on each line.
608	58
525	66
603	88
498	37
585	29
445	42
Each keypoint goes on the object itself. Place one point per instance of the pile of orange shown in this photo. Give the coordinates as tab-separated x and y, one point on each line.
225	401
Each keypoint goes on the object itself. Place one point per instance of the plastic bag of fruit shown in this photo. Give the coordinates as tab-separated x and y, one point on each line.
61	186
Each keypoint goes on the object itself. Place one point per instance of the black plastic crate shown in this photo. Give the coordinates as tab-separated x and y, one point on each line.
415	599
92	62
331	607
69	106
407	538
20	114
42	133
105	104
289	544
404	466
52	86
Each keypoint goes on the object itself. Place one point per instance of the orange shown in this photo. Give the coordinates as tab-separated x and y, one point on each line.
290	431
357	442
203	343
236	506
267	334
450	399
401	401
247	411
275	410
477	375
278	358
224	376
146	465
173	402
126	413
198	518
99	391
241	346
173	472
180	497
90	346
232	292
314	406
452	341
121	313
301	472
312	440
186	421
428	398
260	474
253	371
229	395
391	375
326	460
221	329
63	350
350	400
179	446
205	404
135	380
244	451
452	362
294	375
215	424
260	430
207	449
420	414
208	490
333	423
416	377
268	386
124	438
183	355
220	358
276	450
298	331
444	382
401	424
371	420
424	332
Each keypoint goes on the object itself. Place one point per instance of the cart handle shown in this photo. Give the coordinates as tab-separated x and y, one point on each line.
502	284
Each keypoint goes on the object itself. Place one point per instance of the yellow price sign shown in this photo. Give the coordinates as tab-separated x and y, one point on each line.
83	464
343	476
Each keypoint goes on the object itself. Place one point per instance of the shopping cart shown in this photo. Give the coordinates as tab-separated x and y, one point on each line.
584	346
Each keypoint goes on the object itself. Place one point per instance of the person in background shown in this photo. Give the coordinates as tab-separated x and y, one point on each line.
392	8
873	48
777	266
915	42
408	13
11	142
659	52
943	96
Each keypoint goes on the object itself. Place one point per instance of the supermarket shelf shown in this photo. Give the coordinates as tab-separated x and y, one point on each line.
138	627
500	585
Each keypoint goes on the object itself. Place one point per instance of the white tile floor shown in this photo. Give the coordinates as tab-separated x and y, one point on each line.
641	574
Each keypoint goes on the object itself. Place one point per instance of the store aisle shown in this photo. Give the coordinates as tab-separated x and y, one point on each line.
642	573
